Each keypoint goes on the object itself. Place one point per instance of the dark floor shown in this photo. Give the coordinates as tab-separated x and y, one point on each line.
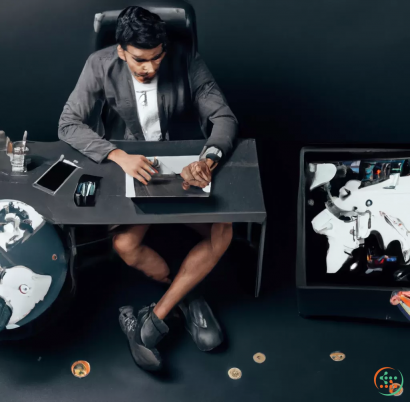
298	366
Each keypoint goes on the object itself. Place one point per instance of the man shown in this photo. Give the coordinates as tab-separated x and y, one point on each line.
147	89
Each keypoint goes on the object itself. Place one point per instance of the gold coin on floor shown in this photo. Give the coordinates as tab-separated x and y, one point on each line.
235	373
259	357
337	356
81	369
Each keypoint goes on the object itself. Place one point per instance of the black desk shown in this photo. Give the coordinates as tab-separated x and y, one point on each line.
236	189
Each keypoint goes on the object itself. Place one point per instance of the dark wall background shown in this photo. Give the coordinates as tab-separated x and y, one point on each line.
294	71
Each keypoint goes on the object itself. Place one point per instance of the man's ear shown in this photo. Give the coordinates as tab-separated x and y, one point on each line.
121	53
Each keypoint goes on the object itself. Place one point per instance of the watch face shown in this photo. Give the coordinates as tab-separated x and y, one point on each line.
214	157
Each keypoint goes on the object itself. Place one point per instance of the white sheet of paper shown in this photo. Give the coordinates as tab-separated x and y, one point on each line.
176	163
129	186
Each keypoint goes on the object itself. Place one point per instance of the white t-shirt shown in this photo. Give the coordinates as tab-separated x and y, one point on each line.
147	108
146	96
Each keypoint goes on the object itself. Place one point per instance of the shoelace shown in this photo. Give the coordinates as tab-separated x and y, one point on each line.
130	323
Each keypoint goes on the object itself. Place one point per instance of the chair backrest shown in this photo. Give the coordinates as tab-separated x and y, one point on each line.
178	15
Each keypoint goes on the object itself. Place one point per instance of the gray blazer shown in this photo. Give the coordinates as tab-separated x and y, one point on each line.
103	106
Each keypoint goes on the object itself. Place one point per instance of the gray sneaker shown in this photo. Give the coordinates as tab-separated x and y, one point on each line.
201	323
144	332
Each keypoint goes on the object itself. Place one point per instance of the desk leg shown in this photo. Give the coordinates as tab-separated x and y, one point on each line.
73	255
260	259
249	233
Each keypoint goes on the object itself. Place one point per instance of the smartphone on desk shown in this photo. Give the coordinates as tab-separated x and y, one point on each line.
55	177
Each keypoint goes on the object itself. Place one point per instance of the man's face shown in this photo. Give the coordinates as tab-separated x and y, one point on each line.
143	63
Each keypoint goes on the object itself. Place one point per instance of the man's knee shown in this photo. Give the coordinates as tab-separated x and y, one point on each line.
221	237
130	240
124	243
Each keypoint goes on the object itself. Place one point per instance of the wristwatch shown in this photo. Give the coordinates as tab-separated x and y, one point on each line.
212	153
213	157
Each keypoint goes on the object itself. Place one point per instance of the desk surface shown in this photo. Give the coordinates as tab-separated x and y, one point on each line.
236	193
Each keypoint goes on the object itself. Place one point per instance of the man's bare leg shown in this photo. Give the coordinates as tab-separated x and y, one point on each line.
129	247
197	265
147	328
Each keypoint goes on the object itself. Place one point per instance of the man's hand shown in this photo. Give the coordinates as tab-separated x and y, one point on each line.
198	174
137	166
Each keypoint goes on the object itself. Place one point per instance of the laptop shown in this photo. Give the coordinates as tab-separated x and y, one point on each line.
168	182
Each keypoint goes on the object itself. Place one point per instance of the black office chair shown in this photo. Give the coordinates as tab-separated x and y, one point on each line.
179	17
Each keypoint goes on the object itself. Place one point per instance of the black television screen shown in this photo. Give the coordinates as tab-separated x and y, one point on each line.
357	218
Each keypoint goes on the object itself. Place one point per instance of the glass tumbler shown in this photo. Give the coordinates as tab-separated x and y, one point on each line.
19	158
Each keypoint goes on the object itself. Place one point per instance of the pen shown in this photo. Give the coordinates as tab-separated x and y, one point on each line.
9	146
92	190
24	141
89	184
